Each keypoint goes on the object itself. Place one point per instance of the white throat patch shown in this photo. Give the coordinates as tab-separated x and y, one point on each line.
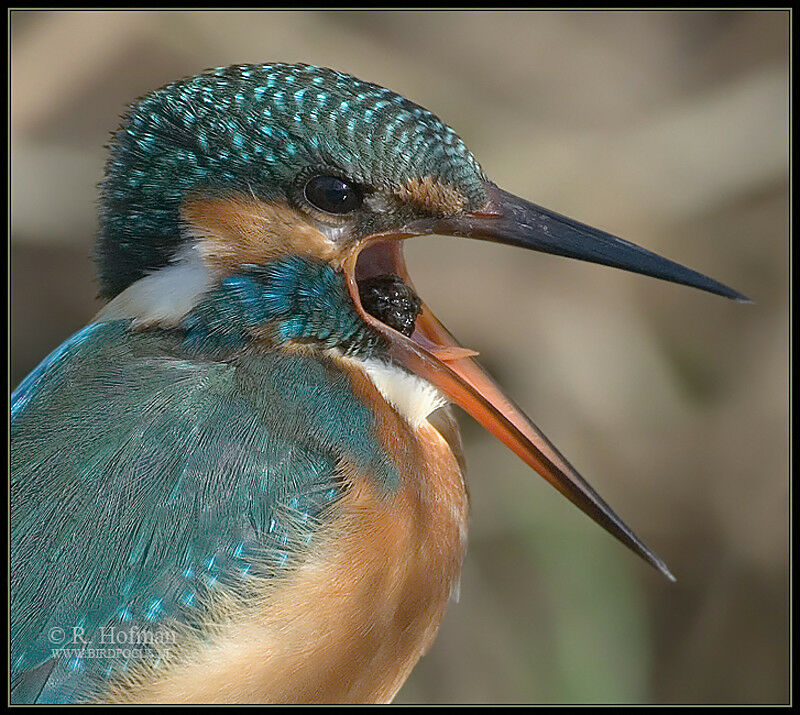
413	397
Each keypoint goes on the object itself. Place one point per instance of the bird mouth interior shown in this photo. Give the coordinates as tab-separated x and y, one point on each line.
432	353
385	259
380	258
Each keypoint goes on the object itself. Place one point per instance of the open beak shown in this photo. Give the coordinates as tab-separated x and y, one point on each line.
432	353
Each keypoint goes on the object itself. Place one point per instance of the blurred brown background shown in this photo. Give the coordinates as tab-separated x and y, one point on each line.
668	128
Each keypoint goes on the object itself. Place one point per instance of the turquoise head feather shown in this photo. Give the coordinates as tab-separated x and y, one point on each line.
262	130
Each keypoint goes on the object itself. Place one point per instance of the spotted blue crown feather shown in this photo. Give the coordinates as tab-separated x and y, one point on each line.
254	128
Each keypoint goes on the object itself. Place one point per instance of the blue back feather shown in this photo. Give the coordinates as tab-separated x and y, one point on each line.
145	474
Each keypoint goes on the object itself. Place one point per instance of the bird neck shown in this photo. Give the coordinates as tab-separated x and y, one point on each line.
291	299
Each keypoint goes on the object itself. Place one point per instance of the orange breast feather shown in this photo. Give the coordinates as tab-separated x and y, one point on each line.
351	621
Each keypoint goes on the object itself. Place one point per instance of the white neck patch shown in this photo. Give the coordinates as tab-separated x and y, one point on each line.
412	396
163	297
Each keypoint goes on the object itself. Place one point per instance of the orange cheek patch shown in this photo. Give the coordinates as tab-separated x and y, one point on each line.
432	195
235	230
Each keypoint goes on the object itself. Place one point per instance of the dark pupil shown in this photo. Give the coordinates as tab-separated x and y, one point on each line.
331	194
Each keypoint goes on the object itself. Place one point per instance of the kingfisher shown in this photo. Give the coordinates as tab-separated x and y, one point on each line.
242	481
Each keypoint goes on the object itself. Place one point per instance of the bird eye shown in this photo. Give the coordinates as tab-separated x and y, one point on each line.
332	194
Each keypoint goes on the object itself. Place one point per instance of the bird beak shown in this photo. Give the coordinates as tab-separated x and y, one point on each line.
516	222
432	353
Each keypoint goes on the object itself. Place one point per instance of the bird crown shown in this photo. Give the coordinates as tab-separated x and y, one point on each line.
263	130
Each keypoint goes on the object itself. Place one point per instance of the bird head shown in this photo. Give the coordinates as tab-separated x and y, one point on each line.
245	164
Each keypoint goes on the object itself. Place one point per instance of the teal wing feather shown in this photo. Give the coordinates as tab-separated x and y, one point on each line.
144	476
